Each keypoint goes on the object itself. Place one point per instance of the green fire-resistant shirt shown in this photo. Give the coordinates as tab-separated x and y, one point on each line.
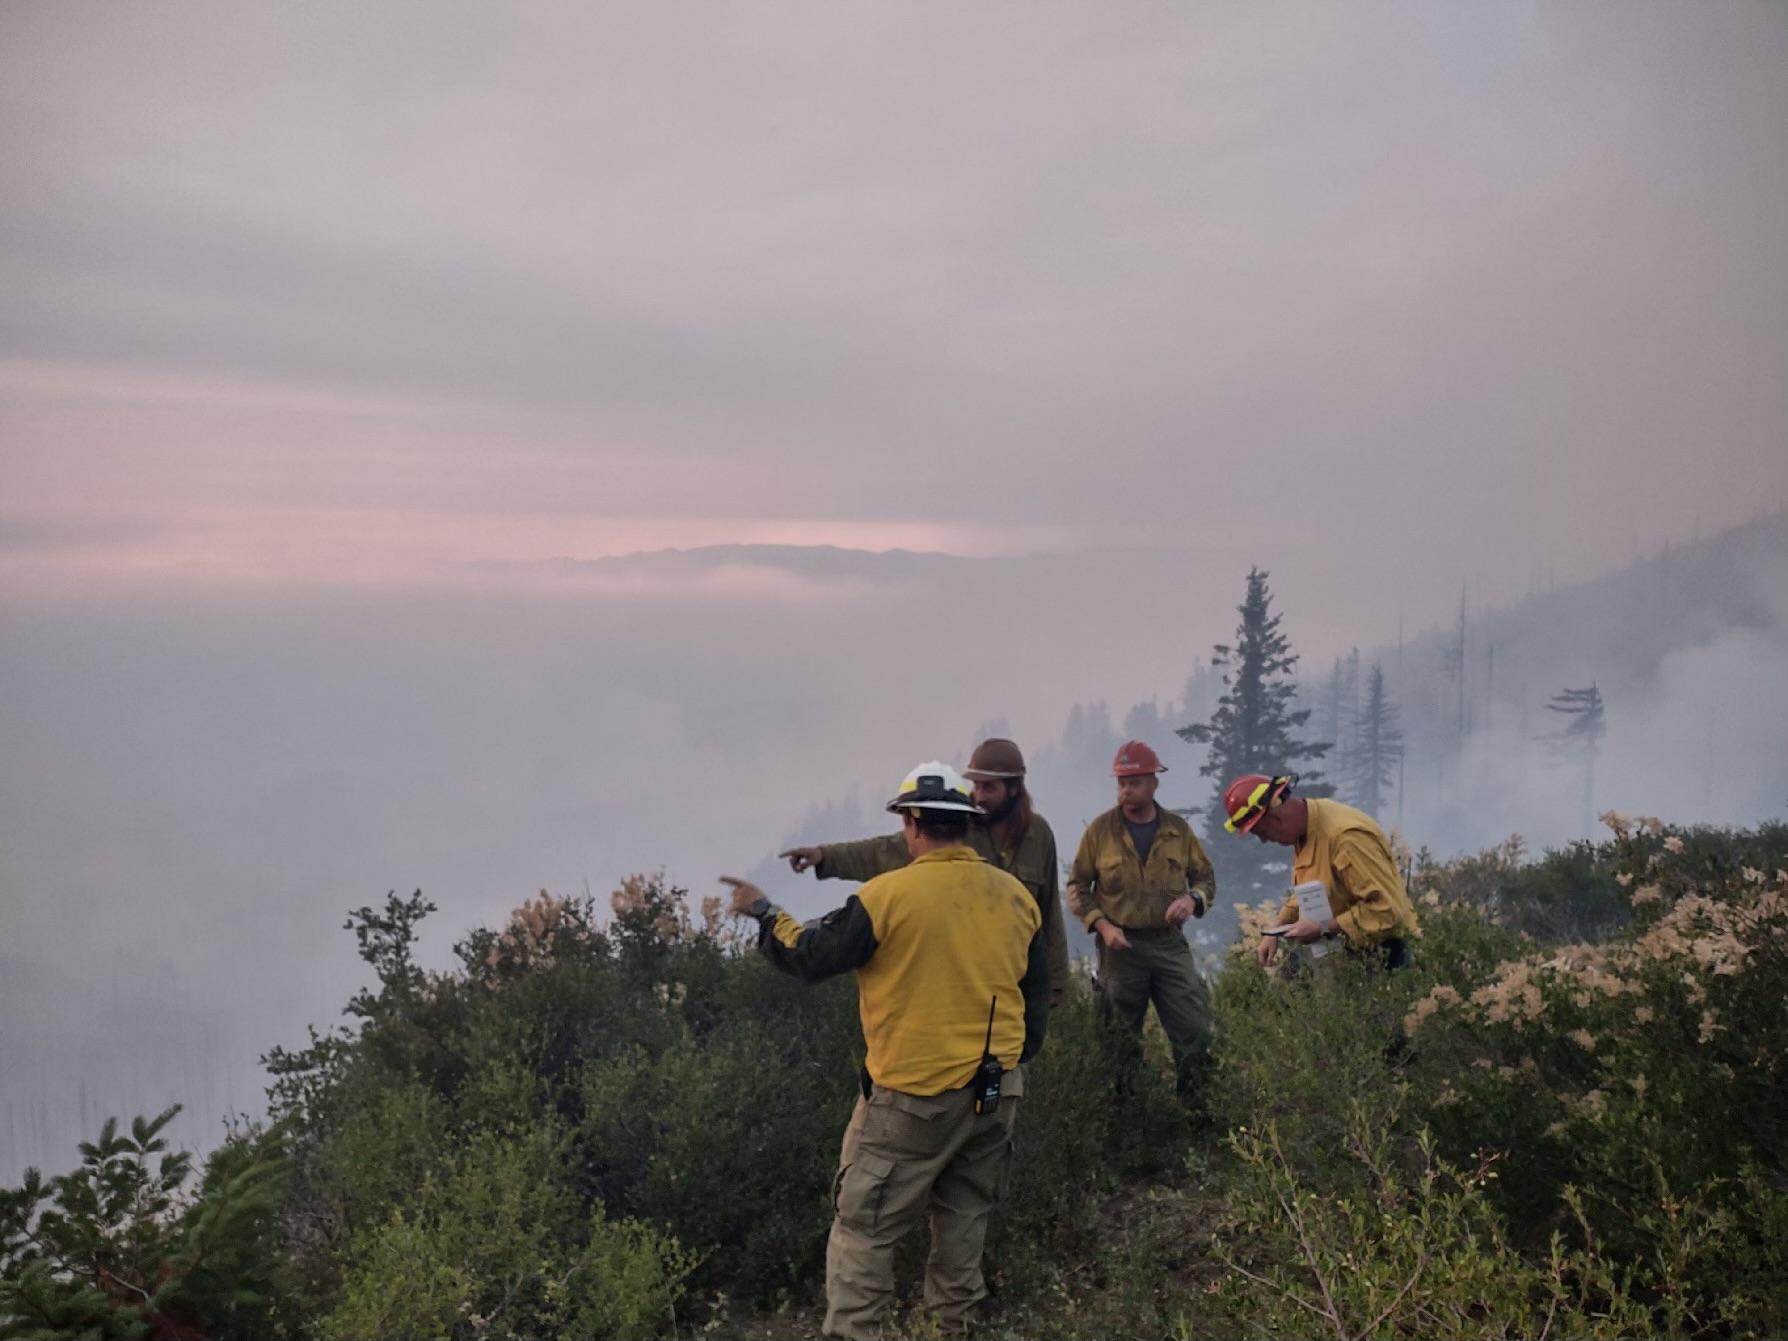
1110	880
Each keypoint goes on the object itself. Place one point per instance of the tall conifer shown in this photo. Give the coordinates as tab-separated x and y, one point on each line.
1253	729
1377	746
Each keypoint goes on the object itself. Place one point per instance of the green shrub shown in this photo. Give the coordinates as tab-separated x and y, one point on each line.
119	1248
1098	1114
693	1086
496	1246
586	1122
727	1146
1409	1254
1305	1052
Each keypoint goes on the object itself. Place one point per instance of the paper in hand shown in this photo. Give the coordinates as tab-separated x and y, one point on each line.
1313	906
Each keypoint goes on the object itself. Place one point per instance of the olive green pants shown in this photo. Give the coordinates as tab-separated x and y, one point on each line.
1158	967
907	1156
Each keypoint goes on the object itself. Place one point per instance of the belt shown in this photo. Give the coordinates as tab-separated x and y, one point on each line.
1149	933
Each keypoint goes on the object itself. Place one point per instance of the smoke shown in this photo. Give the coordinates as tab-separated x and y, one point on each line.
198	787
1699	739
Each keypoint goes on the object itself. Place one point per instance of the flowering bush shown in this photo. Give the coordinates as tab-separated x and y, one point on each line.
1626	1082
1646	1069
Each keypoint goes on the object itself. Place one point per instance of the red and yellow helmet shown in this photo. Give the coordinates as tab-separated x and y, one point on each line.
1250	796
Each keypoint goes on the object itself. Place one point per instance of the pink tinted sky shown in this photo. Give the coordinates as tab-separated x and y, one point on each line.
350	296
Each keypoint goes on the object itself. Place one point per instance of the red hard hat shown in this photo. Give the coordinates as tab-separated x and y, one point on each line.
1249	797
1135	760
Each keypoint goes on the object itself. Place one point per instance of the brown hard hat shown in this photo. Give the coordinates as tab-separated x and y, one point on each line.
993	759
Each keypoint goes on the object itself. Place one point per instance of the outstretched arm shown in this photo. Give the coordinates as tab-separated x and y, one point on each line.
863	859
840	941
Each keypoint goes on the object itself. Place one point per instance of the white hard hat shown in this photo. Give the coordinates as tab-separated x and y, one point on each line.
935	786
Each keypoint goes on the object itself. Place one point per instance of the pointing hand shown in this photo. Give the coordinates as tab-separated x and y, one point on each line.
802	858
744	894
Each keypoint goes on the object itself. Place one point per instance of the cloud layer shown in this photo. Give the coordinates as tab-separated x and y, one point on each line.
1465	282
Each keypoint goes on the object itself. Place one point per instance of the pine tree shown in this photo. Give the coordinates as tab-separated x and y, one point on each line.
1340	721
1452	665
119	1248
1198	700
1330	721
1579	740
1254	725
1377	746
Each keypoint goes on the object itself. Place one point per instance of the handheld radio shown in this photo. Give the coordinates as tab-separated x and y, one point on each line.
989	1073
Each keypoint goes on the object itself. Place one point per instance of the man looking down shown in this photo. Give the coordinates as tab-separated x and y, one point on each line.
1338	846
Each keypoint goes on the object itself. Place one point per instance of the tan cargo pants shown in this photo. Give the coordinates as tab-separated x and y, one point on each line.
906	1155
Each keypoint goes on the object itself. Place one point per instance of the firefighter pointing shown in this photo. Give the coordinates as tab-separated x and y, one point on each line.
1008	832
953	992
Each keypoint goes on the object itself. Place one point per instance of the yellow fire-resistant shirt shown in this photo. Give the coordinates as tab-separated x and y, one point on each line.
1346	850
1033	862
1108	878
935	944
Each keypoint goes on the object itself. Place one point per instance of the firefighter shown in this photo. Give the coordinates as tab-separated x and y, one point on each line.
1139	876
1010	834
1339	846
953	994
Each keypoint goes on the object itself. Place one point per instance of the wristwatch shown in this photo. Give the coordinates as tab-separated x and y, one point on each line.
760	906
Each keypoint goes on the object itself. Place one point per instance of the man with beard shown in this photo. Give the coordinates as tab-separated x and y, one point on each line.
1010	834
1140	874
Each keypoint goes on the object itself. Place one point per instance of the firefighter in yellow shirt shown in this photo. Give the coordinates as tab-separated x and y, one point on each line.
1009	833
953	991
1339	846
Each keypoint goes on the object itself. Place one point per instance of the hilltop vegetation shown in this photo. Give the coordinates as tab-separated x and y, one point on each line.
1568	1119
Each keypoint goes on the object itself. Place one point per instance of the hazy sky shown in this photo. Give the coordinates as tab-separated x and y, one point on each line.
324	326
351	293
